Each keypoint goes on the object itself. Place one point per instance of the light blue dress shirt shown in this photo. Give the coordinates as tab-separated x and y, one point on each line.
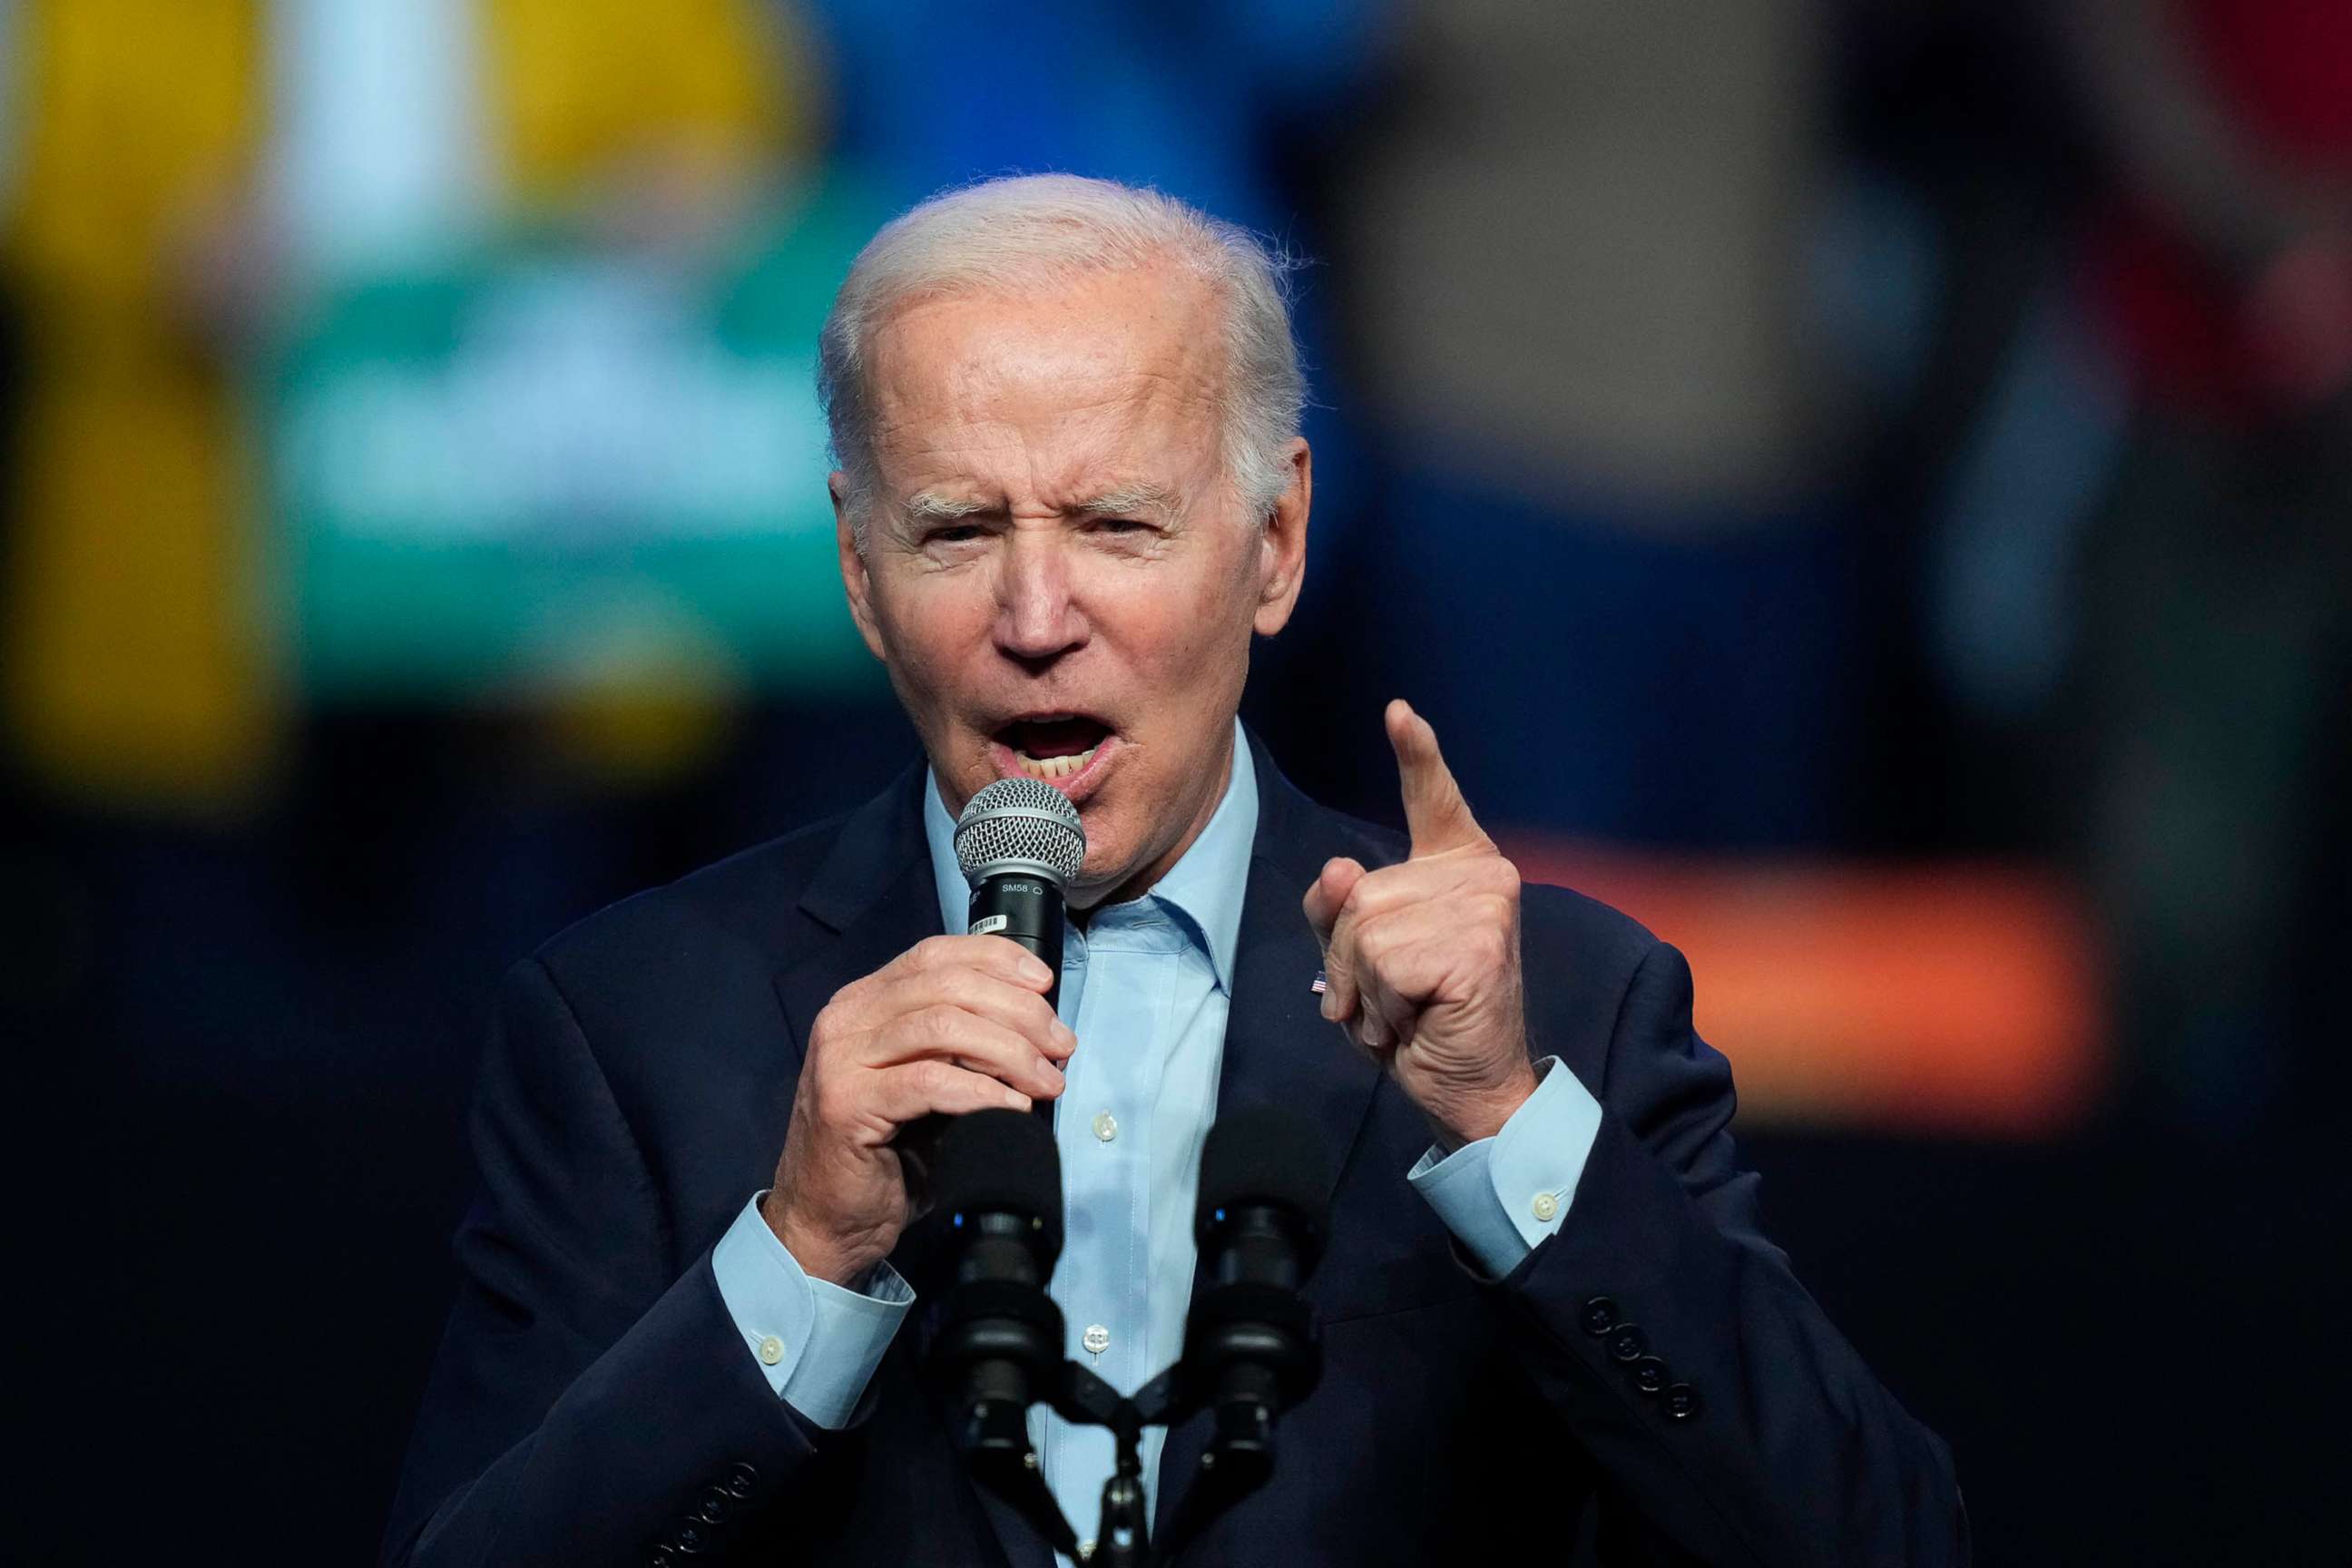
1146	985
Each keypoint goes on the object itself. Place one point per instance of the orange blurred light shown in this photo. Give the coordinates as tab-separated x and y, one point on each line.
1950	998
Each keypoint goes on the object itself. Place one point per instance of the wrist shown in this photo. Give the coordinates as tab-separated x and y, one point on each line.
818	1258
1483	1116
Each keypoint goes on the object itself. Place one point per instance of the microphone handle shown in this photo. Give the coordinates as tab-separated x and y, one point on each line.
1023	907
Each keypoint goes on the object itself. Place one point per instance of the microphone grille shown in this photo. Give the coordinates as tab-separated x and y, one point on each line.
1020	819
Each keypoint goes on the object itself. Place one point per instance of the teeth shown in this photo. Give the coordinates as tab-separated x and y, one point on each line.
1053	767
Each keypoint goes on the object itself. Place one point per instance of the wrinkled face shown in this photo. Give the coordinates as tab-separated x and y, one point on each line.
1057	572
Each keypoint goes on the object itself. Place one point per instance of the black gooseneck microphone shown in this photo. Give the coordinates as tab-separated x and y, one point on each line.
1250	1349
998	1180
1019	843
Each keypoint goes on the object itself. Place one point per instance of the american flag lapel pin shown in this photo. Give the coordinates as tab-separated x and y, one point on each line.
1320	985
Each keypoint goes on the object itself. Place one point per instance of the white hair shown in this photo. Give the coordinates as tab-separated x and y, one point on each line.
1018	234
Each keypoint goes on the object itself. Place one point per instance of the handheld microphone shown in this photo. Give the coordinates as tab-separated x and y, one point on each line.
998	1179
1019	843
1250	1348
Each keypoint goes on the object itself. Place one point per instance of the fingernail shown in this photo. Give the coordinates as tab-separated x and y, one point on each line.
1033	970
1066	1038
1015	1100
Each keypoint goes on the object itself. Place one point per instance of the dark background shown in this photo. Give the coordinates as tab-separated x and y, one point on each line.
1819	436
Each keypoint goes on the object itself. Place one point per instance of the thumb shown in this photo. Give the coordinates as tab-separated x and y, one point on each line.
1327	895
1325	900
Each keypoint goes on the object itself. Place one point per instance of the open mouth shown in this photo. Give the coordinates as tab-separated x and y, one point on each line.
1056	747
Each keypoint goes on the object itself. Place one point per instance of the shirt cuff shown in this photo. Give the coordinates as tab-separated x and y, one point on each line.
817	1343
1503	1196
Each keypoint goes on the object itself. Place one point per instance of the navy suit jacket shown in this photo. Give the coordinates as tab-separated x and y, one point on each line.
592	1401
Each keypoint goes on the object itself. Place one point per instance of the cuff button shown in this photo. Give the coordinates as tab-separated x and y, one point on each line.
1682	1401
740	1481
1650	1375
1598	1316
1628	1345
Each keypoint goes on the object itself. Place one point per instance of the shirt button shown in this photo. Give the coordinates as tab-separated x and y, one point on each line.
772	1351
1097	1339
1085	1551
1545	1206
1105	1126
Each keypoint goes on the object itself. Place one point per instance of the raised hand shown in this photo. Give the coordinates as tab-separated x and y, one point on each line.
1422	958
953	1025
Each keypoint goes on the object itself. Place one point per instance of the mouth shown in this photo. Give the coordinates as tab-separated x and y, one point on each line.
1067	751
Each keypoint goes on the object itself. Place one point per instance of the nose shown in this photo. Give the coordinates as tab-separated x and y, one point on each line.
1037	621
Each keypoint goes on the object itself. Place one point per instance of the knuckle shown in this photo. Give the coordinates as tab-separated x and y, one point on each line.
832	1025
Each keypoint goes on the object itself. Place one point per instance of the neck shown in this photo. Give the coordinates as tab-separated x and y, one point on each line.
1084	902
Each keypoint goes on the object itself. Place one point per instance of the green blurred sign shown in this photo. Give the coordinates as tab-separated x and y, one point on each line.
545	465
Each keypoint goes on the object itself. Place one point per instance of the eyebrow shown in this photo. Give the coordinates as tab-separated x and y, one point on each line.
1130	499
928	506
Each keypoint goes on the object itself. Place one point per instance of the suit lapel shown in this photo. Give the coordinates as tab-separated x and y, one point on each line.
1279	1050
876	893
873	893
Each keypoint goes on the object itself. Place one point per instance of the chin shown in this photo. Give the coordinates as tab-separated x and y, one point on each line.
1098	878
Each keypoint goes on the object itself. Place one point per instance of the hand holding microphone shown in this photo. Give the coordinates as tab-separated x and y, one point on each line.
954	1025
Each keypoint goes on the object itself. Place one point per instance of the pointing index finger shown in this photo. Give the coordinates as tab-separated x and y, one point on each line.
1435	814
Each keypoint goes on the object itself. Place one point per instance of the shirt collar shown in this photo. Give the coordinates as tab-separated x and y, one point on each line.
1206	885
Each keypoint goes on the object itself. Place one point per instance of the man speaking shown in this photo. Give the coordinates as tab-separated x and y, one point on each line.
701	1274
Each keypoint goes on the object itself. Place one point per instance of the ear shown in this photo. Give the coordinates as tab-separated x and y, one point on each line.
1282	543
854	582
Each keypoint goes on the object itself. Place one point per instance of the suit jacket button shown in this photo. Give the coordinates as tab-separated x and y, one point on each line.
1682	1401
663	1556
1599	1316
690	1538
715	1505
1650	1375
740	1481
1628	1345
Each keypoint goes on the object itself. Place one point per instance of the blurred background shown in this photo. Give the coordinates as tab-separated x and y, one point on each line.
1866	487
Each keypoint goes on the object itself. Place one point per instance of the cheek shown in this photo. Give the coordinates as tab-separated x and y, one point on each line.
1196	626
930	632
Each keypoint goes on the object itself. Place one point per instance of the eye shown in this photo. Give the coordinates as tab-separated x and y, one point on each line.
954	534
1121	525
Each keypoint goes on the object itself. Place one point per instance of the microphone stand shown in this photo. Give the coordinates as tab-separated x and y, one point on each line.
1237	1460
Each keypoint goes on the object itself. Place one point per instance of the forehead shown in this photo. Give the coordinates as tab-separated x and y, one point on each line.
1111	378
